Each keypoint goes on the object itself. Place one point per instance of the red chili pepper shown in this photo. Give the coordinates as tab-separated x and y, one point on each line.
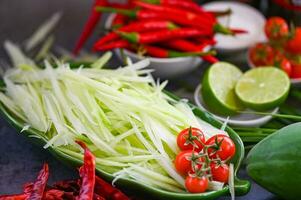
190	18
53	194
14	197
89	26
164	53
107	191
162	35
178	4
118	21
39	185
112	45
174	17
139	26
87	173
239	31
184	45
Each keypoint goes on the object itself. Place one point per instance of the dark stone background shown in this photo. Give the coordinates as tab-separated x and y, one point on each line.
20	160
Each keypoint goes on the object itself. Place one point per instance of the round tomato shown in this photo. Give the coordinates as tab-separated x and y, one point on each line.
220	146
183	162
219	172
189	138
261	54
195	184
293	45
284	64
276	28
296	70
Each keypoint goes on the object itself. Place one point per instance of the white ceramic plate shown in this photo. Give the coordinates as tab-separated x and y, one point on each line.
243	120
243	16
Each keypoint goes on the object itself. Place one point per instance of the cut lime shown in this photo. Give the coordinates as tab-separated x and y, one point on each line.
263	88
218	89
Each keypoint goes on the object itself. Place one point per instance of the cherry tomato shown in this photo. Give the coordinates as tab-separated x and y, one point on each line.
276	28
220	172
261	54
284	64
183	162
296	70
225	149
196	184
185	141
294	44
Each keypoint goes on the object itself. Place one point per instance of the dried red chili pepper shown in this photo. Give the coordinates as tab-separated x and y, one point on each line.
53	194
140	26
14	197
89	26
108	191
87	174
39	185
67	185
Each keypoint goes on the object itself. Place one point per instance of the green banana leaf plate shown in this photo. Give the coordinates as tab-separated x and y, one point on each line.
241	186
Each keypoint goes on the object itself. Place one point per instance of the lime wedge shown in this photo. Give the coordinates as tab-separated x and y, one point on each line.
263	88
218	88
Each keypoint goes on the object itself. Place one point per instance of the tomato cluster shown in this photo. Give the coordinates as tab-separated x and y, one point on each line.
283	49
201	161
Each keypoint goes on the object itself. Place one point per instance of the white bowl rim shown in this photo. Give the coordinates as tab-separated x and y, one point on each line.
108	23
252	122
251	65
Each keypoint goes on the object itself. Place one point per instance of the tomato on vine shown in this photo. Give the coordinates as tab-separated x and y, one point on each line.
293	45
191	138
219	171
276	28
261	54
196	184
220	146
188	161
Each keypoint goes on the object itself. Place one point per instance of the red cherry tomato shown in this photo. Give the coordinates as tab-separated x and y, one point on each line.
296	70
222	147
185	141
220	172
196	184
284	64
183	162
261	54
276	28
294	44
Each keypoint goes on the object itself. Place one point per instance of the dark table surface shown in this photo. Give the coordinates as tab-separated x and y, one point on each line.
20	160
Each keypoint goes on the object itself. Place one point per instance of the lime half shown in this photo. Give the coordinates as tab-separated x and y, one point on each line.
218	88
263	88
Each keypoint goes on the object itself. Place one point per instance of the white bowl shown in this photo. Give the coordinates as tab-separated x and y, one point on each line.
294	81
243	16
241	120
164	67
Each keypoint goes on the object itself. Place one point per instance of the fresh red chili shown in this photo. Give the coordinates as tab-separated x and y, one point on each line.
164	53
118	21
39	185
112	45
108	191
162	35
178	4
89	26
190	18
87	174
139	26
184	45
